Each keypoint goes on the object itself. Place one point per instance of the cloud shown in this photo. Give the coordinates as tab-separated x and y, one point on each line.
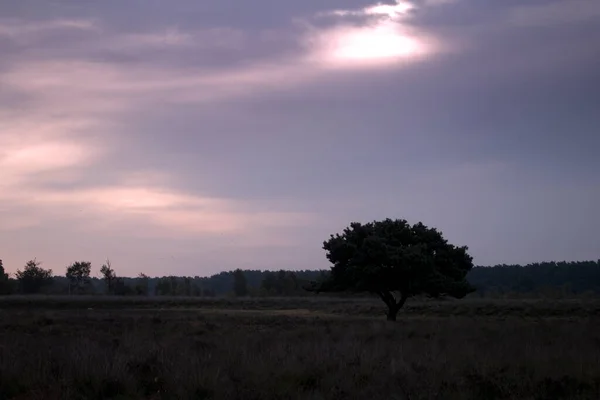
76	109
19	162
439	2
66	131
383	43
555	12
15	27
215	38
171	211
156	209
46	162
24	32
382	38
170	37
396	10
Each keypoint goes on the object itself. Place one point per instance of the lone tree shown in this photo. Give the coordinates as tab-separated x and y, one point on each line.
4	281
33	278
142	284
396	261
109	276
78	275
3	275
240	284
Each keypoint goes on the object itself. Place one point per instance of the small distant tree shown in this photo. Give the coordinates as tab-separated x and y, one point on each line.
187	286
114	284
161	288
395	261
33	278
173	286
240	285
142	285
196	289
109	277
121	288
281	283
3	274
78	275
269	283
5	286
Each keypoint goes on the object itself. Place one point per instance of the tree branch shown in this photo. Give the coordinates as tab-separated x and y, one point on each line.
382	296
403	298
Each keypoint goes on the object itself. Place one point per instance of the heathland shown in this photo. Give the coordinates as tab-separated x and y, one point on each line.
505	332
113	347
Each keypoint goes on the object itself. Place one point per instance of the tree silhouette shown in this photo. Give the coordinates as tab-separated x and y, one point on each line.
109	277
240	285
5	287
396	261
142	285
3	274
78	275
33	278
282	283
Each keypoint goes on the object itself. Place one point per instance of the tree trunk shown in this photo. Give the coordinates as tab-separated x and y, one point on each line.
393	305
392	313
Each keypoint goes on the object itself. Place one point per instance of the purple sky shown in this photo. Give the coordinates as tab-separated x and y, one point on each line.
190	137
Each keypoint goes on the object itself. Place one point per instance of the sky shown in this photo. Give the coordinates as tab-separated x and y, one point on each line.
190	137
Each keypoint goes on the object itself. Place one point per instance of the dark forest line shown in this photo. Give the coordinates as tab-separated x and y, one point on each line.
546	279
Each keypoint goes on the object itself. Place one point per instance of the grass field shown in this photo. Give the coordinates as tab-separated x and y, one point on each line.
309	348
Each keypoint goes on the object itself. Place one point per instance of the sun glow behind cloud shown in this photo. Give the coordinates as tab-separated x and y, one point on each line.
384	39
379	9
379	43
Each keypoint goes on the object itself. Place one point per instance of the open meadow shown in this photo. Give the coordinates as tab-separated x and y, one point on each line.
100	347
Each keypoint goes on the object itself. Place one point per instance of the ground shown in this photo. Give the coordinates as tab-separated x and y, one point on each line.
177	348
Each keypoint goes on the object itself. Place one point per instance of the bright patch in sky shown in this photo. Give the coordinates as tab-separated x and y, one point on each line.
383	39
381	44
391	10
377	43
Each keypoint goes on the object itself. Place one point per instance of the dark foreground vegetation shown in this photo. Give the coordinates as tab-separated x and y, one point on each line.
180	348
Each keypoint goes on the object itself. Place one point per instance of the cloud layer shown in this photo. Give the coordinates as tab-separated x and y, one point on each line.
180	140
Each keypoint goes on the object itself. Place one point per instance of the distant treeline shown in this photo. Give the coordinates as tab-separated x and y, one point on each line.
555	279
547	278
34	279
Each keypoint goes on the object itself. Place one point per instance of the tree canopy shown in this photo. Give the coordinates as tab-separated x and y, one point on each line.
78	275
109	276
395	260
4	281
240	284
33	278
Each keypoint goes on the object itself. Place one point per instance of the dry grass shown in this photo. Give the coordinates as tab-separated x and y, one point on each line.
342	306
304	353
